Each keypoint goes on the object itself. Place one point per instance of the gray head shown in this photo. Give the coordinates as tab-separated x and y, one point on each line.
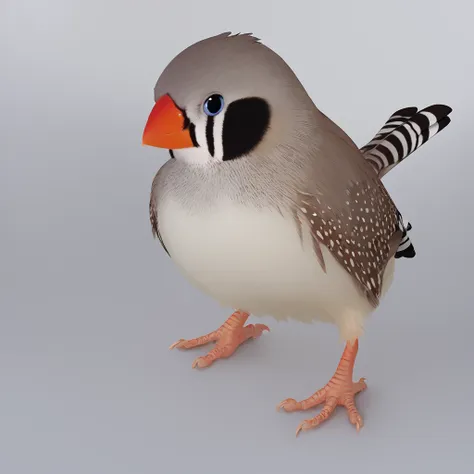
224	97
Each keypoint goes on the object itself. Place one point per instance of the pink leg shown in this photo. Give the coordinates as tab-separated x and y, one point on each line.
340	390
227	338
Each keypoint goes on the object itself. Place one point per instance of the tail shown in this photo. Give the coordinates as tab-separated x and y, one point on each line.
405	247
403	133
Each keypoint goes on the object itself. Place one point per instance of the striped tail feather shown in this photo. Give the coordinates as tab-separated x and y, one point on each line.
395	120
405	247
405	131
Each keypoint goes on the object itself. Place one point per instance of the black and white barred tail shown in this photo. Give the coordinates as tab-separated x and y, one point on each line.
403	133
405	248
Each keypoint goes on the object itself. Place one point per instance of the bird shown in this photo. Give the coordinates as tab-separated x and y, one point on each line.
267	206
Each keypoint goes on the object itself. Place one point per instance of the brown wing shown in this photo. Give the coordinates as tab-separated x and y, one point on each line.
350	212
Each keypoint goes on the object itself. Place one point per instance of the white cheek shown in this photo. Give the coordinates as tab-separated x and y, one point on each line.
196	156
199	155
200	131
218	142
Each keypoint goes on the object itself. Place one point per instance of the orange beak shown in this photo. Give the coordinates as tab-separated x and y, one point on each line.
165	127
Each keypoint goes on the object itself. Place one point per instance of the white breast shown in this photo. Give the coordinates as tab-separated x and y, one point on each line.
255	260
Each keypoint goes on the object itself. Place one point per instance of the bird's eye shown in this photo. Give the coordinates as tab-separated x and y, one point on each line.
213	105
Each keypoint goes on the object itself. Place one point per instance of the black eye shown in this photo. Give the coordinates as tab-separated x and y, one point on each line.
213	105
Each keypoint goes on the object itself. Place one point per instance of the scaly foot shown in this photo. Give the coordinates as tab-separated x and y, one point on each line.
340	390
227	338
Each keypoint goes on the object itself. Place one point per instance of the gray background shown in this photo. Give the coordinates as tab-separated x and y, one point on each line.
90	302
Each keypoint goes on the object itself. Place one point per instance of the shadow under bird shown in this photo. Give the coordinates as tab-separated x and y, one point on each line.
270	208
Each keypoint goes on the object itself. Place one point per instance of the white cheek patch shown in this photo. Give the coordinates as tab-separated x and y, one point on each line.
196	156
218	144
200	130
200	155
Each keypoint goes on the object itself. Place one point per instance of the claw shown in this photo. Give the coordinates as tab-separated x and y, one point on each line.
303	426
285	404
199	363
176	344
357	421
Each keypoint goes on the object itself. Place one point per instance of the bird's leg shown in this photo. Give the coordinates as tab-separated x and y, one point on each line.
340	390
227	338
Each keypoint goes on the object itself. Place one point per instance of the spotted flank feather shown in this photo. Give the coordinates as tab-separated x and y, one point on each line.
404	132
361	236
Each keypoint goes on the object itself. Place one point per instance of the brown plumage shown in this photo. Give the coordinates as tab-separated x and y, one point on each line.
362	237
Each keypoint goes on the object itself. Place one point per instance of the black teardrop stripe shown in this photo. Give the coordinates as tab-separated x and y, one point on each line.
187	124
192	133
245	124
210	135
171	153
186	121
